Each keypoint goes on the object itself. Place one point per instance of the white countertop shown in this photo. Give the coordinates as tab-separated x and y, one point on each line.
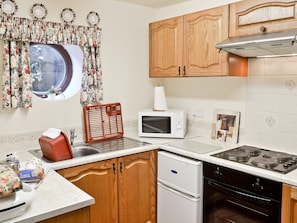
206	147
54	196
57	195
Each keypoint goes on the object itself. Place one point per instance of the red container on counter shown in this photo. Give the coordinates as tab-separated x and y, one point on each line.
56	149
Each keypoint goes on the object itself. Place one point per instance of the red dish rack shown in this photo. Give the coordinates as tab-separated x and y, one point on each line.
103	121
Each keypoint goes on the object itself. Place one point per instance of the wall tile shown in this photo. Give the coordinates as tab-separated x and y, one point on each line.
271	104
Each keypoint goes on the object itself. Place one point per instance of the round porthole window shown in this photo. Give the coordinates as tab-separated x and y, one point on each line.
53	70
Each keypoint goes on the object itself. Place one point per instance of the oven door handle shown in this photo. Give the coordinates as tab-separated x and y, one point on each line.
232	191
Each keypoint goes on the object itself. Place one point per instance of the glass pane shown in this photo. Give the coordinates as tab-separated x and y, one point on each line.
48	68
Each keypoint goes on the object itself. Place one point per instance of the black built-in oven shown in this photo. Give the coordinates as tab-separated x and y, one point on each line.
231	196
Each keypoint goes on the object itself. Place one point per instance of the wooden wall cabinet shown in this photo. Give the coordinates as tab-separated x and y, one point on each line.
166	44
289	204
124	188
184	46
261	16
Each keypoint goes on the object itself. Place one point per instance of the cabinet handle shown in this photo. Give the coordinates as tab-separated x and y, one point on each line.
263	29
184	70
114	168
178	70
121	167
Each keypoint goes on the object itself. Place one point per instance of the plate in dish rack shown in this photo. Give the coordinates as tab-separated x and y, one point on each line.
9	7
38	11
68	15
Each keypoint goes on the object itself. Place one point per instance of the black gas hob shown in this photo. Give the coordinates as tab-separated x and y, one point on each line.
266	159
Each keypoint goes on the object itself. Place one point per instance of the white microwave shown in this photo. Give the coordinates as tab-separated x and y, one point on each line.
171	123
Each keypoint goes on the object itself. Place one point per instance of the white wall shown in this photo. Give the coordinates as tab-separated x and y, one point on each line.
124	54
124	63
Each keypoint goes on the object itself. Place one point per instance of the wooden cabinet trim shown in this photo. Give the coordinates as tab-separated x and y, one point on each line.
266	12
261	16
289	204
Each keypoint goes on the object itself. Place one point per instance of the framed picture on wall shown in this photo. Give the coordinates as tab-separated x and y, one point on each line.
225	126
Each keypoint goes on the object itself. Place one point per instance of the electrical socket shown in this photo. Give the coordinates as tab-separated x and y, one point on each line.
198	112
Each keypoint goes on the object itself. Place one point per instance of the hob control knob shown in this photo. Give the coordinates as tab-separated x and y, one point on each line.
217	172
257	185
286	165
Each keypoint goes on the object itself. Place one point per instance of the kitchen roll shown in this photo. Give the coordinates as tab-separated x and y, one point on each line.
160	99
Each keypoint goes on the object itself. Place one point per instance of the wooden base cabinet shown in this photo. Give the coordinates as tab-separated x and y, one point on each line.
289	204
124	188
184	46
78	216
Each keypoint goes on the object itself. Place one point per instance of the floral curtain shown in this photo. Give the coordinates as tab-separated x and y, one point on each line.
21	31
91	91
16	85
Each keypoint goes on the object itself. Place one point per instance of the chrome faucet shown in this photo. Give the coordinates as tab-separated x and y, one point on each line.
72	136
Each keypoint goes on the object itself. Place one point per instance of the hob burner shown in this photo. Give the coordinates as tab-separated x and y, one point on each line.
252	151
265	163
279	157
262	158
237	155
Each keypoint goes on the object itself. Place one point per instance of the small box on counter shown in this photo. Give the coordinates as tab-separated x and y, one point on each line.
56	149
31	170
31	175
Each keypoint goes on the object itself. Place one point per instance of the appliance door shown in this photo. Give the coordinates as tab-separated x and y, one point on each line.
223	203
180	173
177	207
156	124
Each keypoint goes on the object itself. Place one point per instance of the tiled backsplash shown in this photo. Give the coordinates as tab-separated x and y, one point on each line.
271	104
29	140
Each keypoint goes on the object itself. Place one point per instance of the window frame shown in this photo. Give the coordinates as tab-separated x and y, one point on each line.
68	69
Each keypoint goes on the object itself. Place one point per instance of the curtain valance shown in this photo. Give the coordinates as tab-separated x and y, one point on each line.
28	30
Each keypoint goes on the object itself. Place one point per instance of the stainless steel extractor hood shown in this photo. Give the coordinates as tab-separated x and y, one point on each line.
268	44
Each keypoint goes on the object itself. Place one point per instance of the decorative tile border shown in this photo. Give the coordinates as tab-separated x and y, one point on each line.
28	140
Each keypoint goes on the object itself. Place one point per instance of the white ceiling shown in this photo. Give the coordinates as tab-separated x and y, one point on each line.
154	3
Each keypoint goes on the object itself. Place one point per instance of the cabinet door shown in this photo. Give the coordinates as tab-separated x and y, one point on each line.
137	188
202	31
289	204
260	16
166	47
99	180
78	216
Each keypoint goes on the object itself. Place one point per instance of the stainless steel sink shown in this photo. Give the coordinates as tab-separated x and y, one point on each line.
84	150
79	150
104	146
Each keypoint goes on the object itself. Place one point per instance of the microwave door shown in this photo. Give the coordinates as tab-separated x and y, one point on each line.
156	124
150	128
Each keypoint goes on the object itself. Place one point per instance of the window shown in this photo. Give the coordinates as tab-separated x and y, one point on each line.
52	67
